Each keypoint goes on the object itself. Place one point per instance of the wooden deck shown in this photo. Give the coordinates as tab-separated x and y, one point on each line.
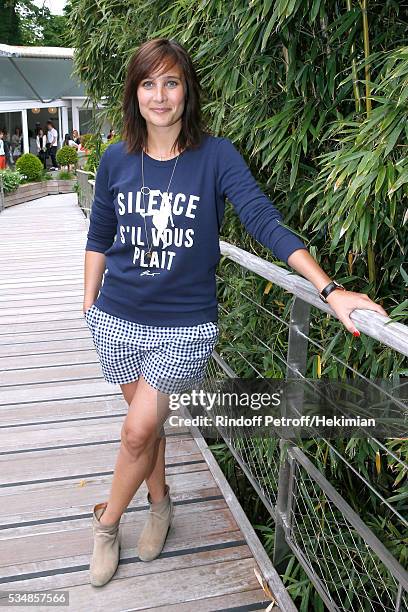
59	436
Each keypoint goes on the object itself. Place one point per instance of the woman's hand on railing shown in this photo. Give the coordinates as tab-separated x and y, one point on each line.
344	302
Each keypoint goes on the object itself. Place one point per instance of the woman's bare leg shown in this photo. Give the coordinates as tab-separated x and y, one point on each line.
141	428
156	480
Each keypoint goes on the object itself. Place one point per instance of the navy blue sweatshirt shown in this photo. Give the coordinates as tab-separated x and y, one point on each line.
176	285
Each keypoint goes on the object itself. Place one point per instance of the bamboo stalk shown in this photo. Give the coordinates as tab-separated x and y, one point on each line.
366	54
356	88
370	246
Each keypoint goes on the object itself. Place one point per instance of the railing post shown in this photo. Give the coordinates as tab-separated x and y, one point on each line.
296	367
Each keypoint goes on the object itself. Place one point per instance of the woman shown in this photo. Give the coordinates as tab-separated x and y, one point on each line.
16	144
161	191
68	142
75	137
4	151
41	141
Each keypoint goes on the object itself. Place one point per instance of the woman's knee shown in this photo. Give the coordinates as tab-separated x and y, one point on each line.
138	439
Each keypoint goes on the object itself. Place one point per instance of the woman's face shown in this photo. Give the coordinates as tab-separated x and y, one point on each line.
161	97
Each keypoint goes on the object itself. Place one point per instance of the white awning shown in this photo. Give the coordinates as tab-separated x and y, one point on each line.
39	73
50	52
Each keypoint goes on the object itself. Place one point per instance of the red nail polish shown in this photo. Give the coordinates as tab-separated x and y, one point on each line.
356	334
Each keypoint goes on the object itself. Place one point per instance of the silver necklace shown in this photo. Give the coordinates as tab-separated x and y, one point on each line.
146	191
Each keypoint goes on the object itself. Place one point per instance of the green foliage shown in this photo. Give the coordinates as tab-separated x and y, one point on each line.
24	23
65	175
67	156
30	166
96	151
11	180
10	33
88	140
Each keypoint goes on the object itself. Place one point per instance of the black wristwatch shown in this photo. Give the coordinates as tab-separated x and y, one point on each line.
328	289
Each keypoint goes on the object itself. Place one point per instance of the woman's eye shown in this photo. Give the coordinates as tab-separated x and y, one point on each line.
171	82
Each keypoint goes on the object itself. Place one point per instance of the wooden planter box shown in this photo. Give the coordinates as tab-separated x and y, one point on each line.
32	191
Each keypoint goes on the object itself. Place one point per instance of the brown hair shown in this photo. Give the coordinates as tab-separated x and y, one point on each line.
150	56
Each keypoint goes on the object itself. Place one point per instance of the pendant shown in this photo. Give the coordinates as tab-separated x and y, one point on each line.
145	191
149	255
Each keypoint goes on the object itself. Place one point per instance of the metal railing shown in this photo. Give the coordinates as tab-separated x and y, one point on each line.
347	563
85	191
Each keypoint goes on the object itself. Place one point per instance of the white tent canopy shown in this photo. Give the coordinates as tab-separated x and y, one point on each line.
37	73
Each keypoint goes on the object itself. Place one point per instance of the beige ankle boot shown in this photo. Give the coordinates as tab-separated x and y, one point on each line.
106	549
155	531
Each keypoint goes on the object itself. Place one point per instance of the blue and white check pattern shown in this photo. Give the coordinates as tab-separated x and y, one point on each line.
170	359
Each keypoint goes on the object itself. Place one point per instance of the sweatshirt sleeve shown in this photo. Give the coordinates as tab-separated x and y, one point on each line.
103	221
256	211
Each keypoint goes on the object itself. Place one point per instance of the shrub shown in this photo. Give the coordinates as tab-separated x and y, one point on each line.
67	156
92	161
29	165
11	180
65	175
87	140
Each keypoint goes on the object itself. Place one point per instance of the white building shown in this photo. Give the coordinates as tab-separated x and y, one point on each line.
35	86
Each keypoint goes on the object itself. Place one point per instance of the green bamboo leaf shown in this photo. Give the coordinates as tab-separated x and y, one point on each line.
398	183
380	179
404	275
314	11
394	137
267	32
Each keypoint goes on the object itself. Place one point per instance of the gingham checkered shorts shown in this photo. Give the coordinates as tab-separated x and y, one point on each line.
170	359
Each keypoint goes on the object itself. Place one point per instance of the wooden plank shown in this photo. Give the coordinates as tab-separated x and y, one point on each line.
63	373
60	324
179	585
81	408
52	359
77	535
58	347
36	465
54	434
47	393
234	602
188	486
68	572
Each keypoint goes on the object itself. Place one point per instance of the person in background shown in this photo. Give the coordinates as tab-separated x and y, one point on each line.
52	144
32	142
4	151
76	137
9	156
41	142
68	142
111	134
16	144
